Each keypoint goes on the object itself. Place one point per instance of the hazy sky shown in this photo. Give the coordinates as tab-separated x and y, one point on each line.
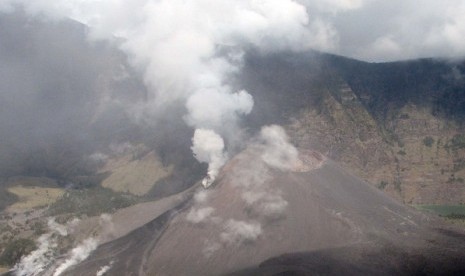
377	30
373	30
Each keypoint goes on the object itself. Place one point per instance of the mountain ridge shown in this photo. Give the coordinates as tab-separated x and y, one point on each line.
393	136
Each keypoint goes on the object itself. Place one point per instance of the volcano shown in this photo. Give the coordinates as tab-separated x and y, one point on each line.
311	218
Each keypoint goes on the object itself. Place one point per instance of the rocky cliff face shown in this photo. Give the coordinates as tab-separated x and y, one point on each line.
396	125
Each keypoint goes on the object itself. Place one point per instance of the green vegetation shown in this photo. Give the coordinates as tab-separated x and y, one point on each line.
382	185
404	116
452	102
457	142
453	179
92	201
8	189
398	185
459	164
428	141
456	216
15	250
38	228
6	198
34	197
448	211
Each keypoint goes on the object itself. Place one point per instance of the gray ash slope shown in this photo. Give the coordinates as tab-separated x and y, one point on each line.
315	219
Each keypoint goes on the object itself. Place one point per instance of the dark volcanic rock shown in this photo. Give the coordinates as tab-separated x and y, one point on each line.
255	213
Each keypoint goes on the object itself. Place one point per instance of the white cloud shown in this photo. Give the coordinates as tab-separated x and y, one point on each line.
377	30
393	30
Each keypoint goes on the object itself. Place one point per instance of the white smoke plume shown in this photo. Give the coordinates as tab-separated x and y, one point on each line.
55	227
38	260
263	200
199	215
46	253
278	152
238	231
34	263
104	269
87	246
210	247
201	196
208	147
187	50
268	203
271	150
77	255
107	227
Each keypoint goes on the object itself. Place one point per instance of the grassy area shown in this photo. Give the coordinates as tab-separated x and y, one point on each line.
136	176
449	211
6	198
30	181
33	197
91	201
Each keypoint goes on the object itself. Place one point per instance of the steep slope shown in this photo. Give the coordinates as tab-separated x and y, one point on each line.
397	125
255	212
